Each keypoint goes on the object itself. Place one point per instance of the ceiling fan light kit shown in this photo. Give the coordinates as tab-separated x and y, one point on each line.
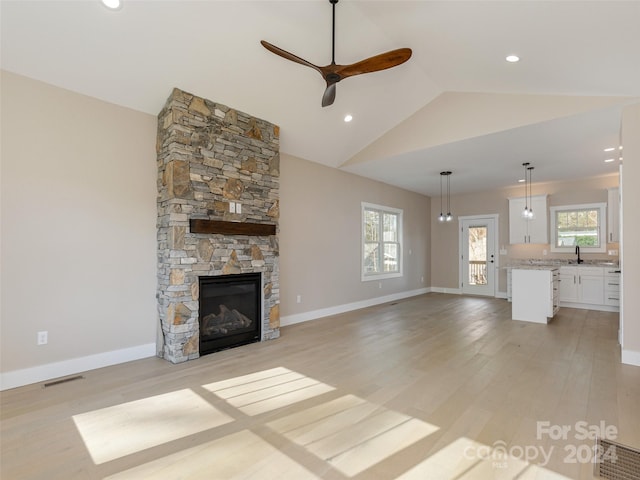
334	73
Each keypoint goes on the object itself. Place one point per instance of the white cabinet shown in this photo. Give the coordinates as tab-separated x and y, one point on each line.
582	285
613	215
612	287
568	284
534	230
591	285
534	294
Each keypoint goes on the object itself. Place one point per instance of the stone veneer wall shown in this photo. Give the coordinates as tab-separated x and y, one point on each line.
208	156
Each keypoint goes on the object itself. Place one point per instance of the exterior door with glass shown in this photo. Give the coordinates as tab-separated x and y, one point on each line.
478	261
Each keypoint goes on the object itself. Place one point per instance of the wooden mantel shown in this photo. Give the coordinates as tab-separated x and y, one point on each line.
199	225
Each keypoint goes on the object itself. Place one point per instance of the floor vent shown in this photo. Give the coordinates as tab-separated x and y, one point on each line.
62	380
616	462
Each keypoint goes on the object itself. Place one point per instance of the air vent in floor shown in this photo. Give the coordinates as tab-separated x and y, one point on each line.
63	380
616	462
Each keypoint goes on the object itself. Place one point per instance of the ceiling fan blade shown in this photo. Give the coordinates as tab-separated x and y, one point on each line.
374	64
333	73
329	95
288	56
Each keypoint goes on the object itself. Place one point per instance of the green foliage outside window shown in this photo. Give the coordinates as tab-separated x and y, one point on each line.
578	228
381	241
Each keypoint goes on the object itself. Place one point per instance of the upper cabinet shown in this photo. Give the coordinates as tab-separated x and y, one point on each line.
613	215
534	230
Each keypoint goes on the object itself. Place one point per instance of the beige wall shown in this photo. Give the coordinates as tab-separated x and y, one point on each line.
445	238
78	233
630	234
78	225
320	237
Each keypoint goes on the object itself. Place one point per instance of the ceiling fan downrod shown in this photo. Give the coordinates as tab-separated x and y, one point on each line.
333	32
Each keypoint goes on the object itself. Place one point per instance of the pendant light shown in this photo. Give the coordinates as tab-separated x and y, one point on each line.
441	217
525	212
530	215
448	217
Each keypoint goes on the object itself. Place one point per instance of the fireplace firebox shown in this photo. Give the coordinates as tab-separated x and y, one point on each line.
230	311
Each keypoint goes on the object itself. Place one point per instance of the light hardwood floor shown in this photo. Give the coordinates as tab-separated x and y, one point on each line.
437	386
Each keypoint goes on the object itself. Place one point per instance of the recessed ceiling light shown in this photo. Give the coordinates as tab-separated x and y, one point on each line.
512	58
609	160
348	118
112	4
610	149
620	147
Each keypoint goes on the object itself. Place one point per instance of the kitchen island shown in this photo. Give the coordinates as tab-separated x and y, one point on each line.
534	293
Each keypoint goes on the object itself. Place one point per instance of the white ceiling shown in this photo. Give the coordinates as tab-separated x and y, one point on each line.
135	56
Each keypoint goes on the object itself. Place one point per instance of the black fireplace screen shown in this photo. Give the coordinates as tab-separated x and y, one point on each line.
230	311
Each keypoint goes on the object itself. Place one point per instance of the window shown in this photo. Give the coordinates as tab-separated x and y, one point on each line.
381	242
578	225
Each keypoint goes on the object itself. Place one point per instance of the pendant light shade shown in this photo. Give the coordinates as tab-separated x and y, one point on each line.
448	217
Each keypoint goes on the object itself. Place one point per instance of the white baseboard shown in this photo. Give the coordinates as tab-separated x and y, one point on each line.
458	291
27	376
452	291
588	306
631	357
348	307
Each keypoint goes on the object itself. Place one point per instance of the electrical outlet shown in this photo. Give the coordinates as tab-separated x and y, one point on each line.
299	299
422	279
43	338
379	284
238	207
232	207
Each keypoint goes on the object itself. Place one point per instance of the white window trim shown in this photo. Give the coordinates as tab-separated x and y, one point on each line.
602	216
380	276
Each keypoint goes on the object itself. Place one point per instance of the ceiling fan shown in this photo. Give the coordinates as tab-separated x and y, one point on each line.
333	73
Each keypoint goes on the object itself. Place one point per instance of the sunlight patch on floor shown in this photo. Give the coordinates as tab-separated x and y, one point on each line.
267	390
113	432
352	434
242	455
466	459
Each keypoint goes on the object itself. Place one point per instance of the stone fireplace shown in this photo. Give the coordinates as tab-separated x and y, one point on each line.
218	209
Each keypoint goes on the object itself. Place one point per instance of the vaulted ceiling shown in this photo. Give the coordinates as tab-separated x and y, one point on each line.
455	105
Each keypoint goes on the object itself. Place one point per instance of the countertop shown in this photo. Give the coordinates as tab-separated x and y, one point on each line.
533	267
534	264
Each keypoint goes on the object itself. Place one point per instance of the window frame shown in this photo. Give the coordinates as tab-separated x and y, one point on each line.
381	209
602	227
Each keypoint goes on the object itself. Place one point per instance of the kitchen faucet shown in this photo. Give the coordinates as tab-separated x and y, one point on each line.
578	253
